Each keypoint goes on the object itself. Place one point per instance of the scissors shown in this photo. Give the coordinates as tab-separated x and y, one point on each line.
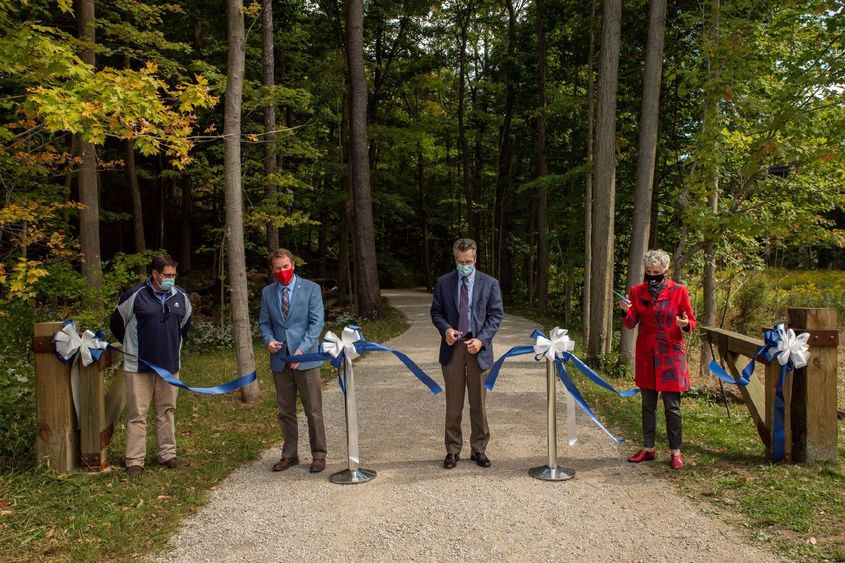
622	297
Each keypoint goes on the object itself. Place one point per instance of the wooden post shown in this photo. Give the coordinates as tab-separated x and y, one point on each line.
56	442
92	440
814	415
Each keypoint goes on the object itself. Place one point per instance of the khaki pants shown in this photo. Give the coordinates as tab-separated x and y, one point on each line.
307	382
141	390
463	374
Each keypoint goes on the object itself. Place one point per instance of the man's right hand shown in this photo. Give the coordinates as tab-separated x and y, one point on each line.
274	346
452	336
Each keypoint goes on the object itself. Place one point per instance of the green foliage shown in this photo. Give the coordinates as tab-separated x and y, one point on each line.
764	297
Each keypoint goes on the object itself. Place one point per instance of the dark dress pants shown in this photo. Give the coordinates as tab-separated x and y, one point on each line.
307	383
672	406
463	375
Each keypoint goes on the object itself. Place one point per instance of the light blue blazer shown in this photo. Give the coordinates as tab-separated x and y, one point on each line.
301	330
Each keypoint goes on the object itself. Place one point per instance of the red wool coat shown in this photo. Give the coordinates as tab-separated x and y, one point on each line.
661	359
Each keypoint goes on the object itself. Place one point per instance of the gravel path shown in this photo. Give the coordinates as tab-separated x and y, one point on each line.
416	510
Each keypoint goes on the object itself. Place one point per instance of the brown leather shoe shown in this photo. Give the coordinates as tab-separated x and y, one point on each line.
173	463
135	471
285	463
317	465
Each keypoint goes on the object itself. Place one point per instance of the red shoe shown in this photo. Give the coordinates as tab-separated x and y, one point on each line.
677	461
642	455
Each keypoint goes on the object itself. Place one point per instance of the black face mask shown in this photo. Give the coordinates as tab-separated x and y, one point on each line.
655	280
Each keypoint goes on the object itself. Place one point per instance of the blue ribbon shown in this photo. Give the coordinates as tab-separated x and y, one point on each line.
362	346
165	374
563	375
771	337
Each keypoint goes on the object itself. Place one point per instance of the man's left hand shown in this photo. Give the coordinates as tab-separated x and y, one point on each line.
297	353
474	346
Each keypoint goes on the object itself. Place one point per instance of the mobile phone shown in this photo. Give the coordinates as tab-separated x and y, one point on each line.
620	296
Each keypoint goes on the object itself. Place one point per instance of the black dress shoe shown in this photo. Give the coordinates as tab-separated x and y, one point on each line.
451	461
481	459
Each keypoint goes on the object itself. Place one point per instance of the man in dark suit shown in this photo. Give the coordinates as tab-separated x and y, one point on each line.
467	310
290	322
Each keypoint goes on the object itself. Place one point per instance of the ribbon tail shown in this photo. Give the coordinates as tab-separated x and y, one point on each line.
74	386
409	363
779	432
579	399
719	372
497	365
571	424
596	378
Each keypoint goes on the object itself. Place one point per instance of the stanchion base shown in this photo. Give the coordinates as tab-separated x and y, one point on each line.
353	477
547	473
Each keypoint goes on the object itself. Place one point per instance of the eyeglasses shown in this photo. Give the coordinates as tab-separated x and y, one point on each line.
165	312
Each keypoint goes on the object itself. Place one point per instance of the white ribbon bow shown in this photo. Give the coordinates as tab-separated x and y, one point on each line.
791	347
68	342
345	343
556	345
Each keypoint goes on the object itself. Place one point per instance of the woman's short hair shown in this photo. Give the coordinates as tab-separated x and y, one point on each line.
656	258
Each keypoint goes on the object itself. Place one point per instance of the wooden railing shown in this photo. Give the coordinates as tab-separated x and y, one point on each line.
810	393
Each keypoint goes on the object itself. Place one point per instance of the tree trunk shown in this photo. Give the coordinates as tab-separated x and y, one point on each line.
234	200
605	181
542	292
137	207
712	123
472	222
270	160
186	222
586	302
366	266
649	123
135	194
424	216
503	167
89	197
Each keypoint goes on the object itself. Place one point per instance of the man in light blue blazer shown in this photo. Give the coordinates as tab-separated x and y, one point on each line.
467	310
290	323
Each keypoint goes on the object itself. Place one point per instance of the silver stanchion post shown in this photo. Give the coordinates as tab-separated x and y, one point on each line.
353	474
551	472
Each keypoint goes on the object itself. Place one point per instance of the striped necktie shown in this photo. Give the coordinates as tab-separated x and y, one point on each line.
285	303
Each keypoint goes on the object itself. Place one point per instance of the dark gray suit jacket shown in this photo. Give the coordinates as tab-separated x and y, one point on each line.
487	313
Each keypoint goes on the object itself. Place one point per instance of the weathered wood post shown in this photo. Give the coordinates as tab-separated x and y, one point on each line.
814	416
92	415
56	443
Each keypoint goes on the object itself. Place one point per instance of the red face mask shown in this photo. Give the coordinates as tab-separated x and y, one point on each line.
284	276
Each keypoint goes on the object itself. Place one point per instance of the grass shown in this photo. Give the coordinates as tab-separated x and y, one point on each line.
798	510
106	516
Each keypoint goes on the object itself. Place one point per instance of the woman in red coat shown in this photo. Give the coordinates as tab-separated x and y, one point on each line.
662	309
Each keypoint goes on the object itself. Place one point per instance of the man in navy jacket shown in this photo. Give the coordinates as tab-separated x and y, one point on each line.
290	322
152	320
467	310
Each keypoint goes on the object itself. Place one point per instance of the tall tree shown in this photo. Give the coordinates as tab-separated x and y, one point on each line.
503	167
542	165
366	265
89	197
270	157
586	299
646	156
604	197
238	297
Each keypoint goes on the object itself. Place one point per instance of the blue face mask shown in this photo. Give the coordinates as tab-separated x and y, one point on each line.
465	269
167	284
